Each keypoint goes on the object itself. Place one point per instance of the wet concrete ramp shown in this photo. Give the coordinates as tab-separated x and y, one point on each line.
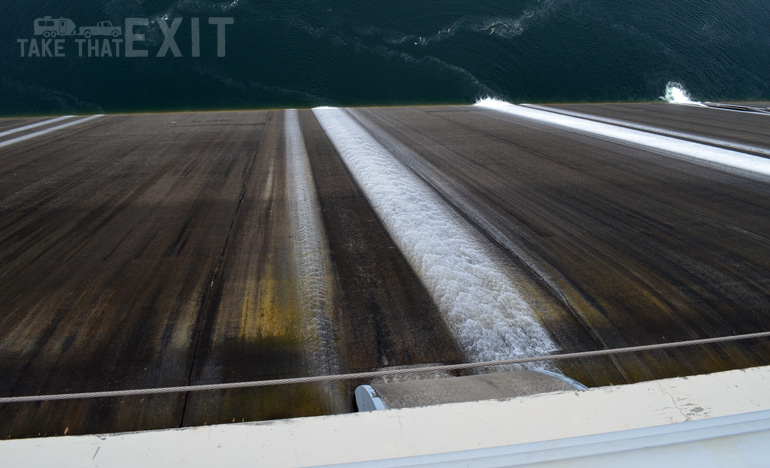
172	249
429	392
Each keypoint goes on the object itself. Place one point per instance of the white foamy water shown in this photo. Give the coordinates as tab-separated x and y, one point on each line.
29	136
677	94
689	150
310	253
733	145
472	288
34	125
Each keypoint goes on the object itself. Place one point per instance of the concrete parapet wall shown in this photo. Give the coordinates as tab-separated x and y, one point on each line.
413	431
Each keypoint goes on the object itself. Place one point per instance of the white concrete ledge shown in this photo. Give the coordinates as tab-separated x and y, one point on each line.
410	432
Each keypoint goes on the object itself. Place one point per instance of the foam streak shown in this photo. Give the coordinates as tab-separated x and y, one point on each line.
659	130
311	260
46	131
472	288
34	125
688	150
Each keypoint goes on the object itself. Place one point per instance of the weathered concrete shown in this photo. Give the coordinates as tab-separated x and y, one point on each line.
145	251
636	246
155	250
509	384
741	127
384	435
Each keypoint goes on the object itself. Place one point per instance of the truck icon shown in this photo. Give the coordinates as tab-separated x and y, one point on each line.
102	28
52	27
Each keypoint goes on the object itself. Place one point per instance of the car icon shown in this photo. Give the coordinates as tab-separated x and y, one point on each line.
102	28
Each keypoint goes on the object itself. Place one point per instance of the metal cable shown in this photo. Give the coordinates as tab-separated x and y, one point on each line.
378	373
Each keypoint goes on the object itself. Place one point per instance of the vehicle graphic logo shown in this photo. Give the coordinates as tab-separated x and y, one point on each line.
49	27
107	39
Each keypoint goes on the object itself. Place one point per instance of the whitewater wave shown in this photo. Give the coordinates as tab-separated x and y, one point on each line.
492	102
488	314
677	94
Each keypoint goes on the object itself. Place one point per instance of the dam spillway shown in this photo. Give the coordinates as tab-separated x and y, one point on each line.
164	250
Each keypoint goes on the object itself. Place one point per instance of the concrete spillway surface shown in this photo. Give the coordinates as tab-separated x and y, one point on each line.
174	249
438	391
